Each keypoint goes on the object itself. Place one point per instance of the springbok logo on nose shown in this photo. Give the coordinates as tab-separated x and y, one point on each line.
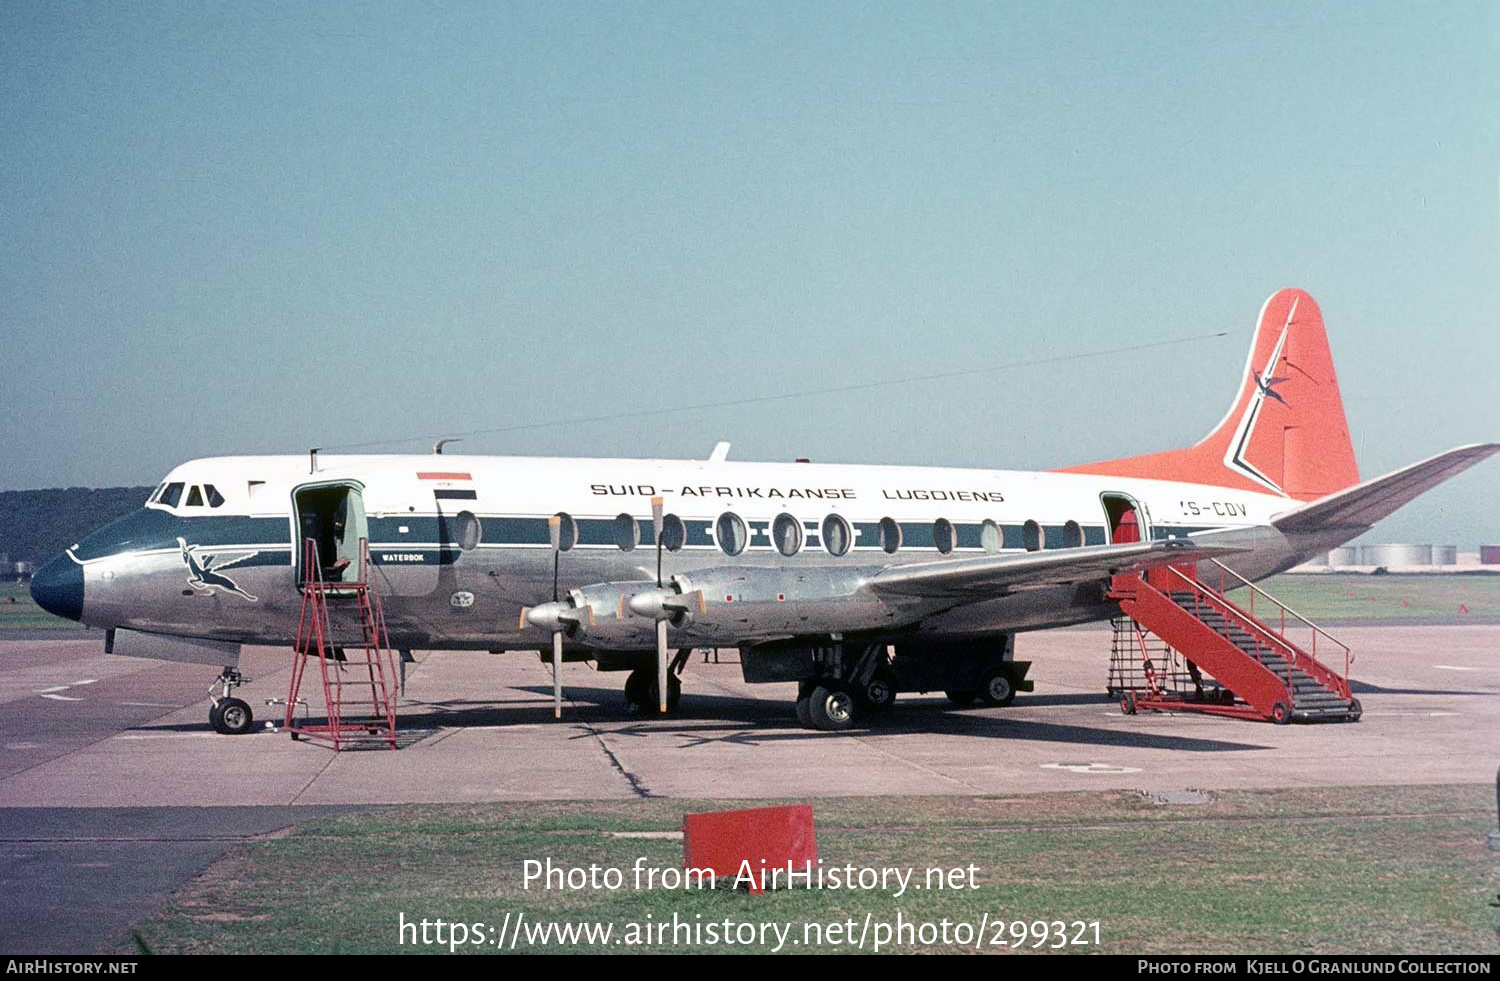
203	575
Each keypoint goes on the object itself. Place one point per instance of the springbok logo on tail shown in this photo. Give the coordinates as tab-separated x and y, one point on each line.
202	574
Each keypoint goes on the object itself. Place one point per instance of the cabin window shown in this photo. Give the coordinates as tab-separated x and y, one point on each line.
989	536
890	535
627	532
171	495
730	531
1031	534
942	535
467	530
786	532
1072	535
673	533
215	499
567	531
836	536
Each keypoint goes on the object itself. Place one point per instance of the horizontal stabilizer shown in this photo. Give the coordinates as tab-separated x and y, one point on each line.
995	575
1364	504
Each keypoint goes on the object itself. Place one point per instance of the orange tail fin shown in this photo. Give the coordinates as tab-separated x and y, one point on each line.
1285	433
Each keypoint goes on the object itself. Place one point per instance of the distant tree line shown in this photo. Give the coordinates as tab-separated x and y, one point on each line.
35	525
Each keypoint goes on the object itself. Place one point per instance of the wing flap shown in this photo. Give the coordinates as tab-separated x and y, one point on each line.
1364	504
994	575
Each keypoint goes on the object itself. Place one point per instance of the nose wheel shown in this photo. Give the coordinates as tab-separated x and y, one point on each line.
229	715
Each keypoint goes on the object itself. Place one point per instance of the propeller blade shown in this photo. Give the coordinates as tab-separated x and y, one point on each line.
557	647
662	655
554	530
657	525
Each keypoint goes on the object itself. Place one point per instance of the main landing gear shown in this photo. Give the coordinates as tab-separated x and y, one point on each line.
227	714
643	697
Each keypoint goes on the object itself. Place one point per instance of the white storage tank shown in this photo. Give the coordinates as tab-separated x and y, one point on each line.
1344	556
1400	556
1445	555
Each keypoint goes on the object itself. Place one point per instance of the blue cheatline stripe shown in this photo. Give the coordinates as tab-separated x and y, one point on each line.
500	531
152	528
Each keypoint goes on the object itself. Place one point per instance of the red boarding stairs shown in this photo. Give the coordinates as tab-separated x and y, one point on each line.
1254	669
315	642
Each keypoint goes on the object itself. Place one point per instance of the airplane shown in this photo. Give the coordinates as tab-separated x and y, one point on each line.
816	572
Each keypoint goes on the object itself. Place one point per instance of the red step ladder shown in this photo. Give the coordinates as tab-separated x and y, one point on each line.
315	640
1266	673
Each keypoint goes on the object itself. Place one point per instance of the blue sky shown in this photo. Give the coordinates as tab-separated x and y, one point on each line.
248	228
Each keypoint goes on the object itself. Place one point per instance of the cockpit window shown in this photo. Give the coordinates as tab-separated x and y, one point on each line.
171	495
195	498
156	493
215	499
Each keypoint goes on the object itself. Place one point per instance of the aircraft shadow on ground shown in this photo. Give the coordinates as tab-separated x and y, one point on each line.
702	719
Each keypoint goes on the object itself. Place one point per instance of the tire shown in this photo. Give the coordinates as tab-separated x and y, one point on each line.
962	699
1127	703
1355	710
996	688
804	709
638	685
234	717
213	717
1281	713
641	692
831	707
880	693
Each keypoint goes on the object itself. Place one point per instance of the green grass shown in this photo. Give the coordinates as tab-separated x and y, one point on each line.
1389	597
19	612
1386	869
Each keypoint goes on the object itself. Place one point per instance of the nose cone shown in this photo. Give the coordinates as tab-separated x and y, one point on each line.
57	588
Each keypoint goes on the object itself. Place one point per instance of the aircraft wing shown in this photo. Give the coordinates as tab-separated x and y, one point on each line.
995	575
1362	505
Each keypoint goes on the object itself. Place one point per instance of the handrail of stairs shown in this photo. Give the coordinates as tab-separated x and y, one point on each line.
1225	572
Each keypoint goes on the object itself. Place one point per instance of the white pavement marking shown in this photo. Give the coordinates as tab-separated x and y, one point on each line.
60	698
19	746
1454	667
153	705
1090	768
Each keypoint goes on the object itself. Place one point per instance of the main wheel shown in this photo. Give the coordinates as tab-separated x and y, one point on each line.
830	707
804	705
962	698
638	685
880	691
641	693
234	717
996	688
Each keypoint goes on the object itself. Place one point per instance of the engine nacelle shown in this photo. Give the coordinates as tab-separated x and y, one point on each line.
740	604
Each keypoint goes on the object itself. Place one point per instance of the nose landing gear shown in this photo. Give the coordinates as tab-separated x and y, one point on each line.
227	714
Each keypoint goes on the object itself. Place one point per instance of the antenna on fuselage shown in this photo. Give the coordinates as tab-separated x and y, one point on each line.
312	460
437	448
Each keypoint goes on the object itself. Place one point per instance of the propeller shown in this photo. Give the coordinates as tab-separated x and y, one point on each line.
667	605
658	525
561	618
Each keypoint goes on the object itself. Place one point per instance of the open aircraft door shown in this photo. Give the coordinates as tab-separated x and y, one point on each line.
1126	518
332	514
